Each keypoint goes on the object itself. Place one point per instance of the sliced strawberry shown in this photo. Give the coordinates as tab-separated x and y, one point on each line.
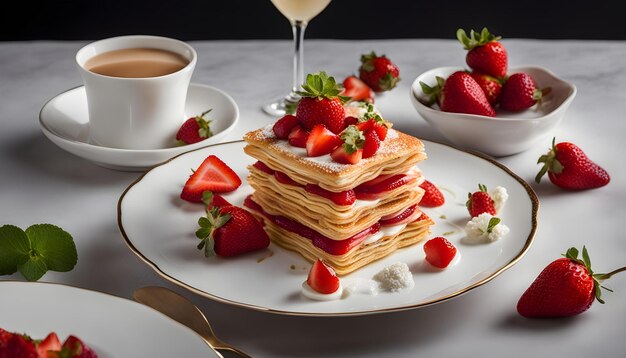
439	252
355	88
284	179
77	348
371	145
322	278
340	198
263	167
50	343
212	175
406	216
366	125
381	130
349	121
284	126
321	141
432	195
341	156
298	136
375	189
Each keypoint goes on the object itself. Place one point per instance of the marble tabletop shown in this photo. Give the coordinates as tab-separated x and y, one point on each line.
41	183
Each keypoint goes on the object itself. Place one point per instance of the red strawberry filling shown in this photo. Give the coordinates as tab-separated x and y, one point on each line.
408	215
370	190
333	247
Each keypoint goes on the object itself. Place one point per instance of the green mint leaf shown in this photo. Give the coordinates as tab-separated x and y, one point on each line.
14	248
53	246
33	269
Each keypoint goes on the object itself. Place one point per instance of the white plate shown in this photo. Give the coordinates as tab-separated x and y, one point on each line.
159	227
110	325
65	121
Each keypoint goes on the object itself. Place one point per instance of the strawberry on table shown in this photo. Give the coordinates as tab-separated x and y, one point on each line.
480	202
459	93
566	287
322	278
439	252
432	195
520	92
569	167
485	53
378	72
283	127
492	87
212	175
357	90
321	103
195	129
321	141
230	231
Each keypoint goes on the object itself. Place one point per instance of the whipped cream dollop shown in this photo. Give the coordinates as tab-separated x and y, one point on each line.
395	277
485	228
499	196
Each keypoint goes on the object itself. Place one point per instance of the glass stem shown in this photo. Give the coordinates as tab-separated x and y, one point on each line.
298	28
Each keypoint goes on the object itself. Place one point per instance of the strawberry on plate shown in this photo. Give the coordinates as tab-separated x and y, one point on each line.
480	202
520	92
378	72
230	231
432	195
357	90
484	52
214	200
322	278
566	287
459	93
212	175
50	343
439	252
570	168
195	129
321	103
321	141
75	348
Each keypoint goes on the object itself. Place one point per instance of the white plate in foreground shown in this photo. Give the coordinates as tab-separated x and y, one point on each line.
159	227
65	121
110	325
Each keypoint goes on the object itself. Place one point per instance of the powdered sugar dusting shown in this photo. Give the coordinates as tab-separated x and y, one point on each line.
268	131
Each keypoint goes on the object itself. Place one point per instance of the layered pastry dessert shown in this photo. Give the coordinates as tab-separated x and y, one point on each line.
335	182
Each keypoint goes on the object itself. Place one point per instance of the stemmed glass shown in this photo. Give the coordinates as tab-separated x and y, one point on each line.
299	13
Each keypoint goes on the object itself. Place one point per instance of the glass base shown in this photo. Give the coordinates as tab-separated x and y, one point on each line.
282	106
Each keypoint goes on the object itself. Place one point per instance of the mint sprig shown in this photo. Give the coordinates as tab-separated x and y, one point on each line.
33	252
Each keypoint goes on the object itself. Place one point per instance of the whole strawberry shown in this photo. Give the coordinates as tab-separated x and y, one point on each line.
378	72
490	85
480	202
485	54
566	287
195	129
230	231
321	103
520	92
569	167
459	93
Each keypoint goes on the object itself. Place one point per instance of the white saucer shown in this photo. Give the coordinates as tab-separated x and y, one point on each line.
65	121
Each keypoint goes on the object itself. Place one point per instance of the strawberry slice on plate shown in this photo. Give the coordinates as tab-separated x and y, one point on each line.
432	195
322	278
321	141
50	343
212	175
439	252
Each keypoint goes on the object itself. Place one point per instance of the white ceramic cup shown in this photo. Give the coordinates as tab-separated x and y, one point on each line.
136	113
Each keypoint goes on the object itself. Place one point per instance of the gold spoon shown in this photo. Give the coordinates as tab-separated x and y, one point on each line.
184	311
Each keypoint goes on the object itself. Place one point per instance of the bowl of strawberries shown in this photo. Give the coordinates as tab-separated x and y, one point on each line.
490	107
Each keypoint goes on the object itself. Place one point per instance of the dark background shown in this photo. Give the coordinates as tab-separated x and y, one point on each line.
342	19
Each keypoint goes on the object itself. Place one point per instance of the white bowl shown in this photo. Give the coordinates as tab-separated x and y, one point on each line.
509	132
